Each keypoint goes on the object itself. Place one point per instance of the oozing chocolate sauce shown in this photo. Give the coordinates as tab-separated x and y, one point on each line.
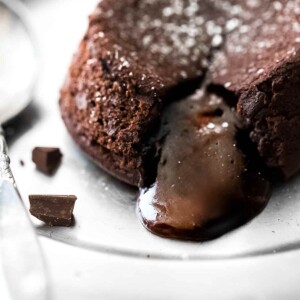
205	184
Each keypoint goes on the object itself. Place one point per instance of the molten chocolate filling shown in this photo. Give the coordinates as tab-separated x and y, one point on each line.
206	185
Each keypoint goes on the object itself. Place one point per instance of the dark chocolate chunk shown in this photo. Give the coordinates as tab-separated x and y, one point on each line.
54	210
205	185
46	159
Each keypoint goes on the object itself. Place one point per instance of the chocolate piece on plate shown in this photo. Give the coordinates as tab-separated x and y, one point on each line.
46	159
54	210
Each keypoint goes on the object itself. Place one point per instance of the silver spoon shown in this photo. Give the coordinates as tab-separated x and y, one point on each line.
20	251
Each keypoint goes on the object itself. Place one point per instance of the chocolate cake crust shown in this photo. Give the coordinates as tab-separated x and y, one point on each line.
260	64
139	55
132	57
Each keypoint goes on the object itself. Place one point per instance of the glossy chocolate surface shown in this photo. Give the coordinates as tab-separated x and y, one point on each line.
204	185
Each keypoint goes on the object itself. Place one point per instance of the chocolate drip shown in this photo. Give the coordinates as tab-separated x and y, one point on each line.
205	184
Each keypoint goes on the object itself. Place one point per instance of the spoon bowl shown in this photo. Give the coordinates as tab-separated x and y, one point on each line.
18	60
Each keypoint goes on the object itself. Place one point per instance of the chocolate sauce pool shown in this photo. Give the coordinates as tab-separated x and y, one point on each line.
205	184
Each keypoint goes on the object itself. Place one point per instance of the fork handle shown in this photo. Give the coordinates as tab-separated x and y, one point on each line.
5	171
20	252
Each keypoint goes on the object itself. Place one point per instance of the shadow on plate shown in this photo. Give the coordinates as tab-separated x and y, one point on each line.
21	123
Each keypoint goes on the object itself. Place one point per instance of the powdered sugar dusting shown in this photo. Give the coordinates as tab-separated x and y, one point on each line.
179	33
262	32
